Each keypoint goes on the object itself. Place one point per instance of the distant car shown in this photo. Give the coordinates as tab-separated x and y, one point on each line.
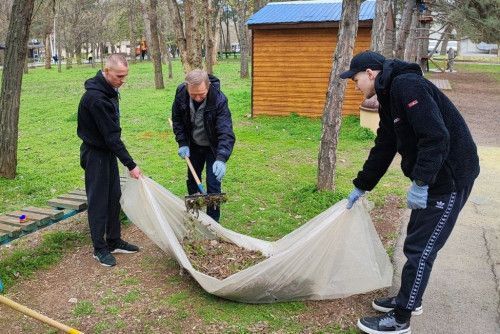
451	44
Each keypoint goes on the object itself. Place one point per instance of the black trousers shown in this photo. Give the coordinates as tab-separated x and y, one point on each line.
102	185
201	156
427	232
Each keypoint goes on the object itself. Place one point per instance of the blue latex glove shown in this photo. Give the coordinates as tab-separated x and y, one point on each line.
183	152
354	196
417	196
219	169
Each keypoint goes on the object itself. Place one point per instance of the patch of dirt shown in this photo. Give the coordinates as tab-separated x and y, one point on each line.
218	258
477	97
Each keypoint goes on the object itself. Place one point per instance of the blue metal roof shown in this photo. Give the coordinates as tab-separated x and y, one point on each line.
307	12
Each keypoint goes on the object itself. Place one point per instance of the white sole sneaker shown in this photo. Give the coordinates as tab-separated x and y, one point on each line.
374	331
123	251
418	311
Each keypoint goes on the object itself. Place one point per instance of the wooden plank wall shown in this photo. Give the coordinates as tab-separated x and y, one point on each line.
291	68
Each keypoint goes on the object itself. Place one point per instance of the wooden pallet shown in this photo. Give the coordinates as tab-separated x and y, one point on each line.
442	84
11	225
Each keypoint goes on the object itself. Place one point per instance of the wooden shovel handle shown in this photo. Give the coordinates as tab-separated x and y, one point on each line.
193	172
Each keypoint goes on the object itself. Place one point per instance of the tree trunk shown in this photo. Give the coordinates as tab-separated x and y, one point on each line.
445	38
379	26
213	11
10	93
193	35
131	29
412	41
59	55
48	52
155	44
423	42
179	31
147	24
404	28
332	112
242	11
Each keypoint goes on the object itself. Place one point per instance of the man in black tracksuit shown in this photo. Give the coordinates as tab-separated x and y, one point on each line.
99	129
203	130
438	154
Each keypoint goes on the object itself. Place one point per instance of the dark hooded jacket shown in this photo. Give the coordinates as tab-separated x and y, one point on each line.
216	120
418	121
99	119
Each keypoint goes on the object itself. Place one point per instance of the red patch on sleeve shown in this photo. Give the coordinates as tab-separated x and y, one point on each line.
412	103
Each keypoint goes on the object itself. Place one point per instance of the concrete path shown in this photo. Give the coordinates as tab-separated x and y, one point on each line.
463	295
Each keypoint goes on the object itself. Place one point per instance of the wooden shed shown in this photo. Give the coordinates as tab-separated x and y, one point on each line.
292	46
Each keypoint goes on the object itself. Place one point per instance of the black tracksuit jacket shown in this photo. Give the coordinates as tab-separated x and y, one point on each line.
418	121
216	119
99	119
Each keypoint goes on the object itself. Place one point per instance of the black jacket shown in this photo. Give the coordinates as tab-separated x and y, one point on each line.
422	124
99	119
216	119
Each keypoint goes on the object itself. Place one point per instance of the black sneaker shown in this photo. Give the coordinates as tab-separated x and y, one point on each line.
121	246
105	258
382	324
389	303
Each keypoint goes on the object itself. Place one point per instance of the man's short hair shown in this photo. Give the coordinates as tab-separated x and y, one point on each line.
116	59
196	77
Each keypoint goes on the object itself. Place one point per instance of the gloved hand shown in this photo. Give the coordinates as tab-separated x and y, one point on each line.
219	169
354	196
183	152
417	196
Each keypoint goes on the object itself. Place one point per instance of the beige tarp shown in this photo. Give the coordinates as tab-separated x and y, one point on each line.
336	254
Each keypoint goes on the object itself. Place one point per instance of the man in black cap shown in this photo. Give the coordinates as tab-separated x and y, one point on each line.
438	155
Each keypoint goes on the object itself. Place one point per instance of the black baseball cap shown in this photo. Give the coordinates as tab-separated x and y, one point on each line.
363	61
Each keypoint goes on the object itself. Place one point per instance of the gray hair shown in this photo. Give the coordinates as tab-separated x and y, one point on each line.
197	77
116	59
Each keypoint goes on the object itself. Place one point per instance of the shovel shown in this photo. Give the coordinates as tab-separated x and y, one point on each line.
199	200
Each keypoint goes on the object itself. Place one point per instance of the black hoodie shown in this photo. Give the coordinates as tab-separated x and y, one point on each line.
99	119
418	121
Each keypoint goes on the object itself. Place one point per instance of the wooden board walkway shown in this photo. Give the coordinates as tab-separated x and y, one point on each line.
11	226
442	84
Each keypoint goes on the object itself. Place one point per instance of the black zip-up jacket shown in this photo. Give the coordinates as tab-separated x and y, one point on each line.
99	119
422	124
216	119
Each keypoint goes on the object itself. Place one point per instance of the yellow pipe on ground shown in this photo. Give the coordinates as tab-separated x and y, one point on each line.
38	316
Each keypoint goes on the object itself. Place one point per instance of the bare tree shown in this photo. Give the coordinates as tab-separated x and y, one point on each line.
188	32
155	44
410	52
332	112
404	28
132	9
10	93
212	17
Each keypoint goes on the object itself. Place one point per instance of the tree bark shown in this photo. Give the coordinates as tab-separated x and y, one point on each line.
155	44
212	17
48	52
411	42
179	31
131	29
445	38
332	112
243	40
379	26
404	27
10	93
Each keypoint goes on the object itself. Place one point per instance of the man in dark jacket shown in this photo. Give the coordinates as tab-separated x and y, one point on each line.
438	154
204	130
99	129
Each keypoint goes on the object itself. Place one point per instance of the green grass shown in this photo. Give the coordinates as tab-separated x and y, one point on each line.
83	308
24	261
